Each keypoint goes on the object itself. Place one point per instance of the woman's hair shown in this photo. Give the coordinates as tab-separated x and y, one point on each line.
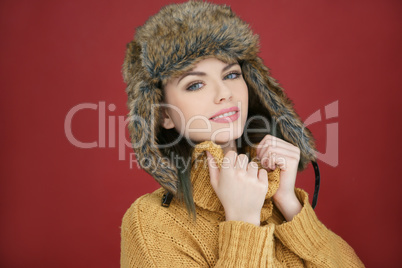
257	119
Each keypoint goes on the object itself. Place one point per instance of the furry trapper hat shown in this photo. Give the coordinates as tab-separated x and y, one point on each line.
171	43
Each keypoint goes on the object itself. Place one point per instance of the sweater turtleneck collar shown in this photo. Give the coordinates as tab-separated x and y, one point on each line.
203	193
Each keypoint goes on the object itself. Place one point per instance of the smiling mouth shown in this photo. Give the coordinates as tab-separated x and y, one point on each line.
224	115
227	117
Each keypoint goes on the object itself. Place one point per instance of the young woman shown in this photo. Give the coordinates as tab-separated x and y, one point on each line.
222	139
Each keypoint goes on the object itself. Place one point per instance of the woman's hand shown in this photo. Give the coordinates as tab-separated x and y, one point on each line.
240	186
274	152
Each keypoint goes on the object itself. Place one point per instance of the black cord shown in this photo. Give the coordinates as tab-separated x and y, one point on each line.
317	183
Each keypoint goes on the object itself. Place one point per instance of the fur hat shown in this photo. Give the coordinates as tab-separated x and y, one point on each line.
171	43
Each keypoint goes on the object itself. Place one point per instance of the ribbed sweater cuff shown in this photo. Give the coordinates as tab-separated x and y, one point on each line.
304	233
245	245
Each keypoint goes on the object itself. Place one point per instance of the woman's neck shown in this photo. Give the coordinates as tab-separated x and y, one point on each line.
229	147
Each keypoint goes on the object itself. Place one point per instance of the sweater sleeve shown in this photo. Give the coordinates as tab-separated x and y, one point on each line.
307	237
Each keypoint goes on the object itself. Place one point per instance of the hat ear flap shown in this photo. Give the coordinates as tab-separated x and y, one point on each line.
131	59
144	118
280	109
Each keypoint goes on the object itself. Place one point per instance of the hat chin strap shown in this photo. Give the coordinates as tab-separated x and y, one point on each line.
167	197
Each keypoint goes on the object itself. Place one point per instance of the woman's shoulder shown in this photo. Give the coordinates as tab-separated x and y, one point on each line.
148	209
147	204
149	200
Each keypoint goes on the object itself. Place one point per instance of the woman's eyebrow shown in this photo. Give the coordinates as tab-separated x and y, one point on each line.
227	67
190	73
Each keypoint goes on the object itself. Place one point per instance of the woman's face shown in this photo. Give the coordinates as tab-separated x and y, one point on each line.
210	102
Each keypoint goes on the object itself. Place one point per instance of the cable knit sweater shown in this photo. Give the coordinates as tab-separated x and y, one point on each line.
156	236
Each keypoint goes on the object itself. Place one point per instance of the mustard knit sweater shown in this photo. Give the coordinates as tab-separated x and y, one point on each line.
156	236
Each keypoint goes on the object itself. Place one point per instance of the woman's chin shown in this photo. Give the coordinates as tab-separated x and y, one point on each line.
225	141
222	139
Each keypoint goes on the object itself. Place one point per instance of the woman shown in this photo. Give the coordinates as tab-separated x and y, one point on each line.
202	104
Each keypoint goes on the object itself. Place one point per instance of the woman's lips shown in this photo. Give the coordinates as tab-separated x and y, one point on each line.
232	115
226	119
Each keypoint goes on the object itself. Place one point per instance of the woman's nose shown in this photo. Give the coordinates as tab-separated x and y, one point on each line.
222	92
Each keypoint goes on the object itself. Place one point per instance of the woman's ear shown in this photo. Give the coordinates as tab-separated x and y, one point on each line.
166	120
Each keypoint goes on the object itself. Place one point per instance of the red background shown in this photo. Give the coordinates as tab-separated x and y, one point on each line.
61	206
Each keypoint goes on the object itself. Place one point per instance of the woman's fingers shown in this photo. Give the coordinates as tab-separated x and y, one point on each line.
274	152
229	160
278	157
244	167
241	162
252	169
276	145
263	177
233	161
274	142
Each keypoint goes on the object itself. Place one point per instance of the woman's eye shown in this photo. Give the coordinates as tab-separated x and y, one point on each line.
194	87
232	76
